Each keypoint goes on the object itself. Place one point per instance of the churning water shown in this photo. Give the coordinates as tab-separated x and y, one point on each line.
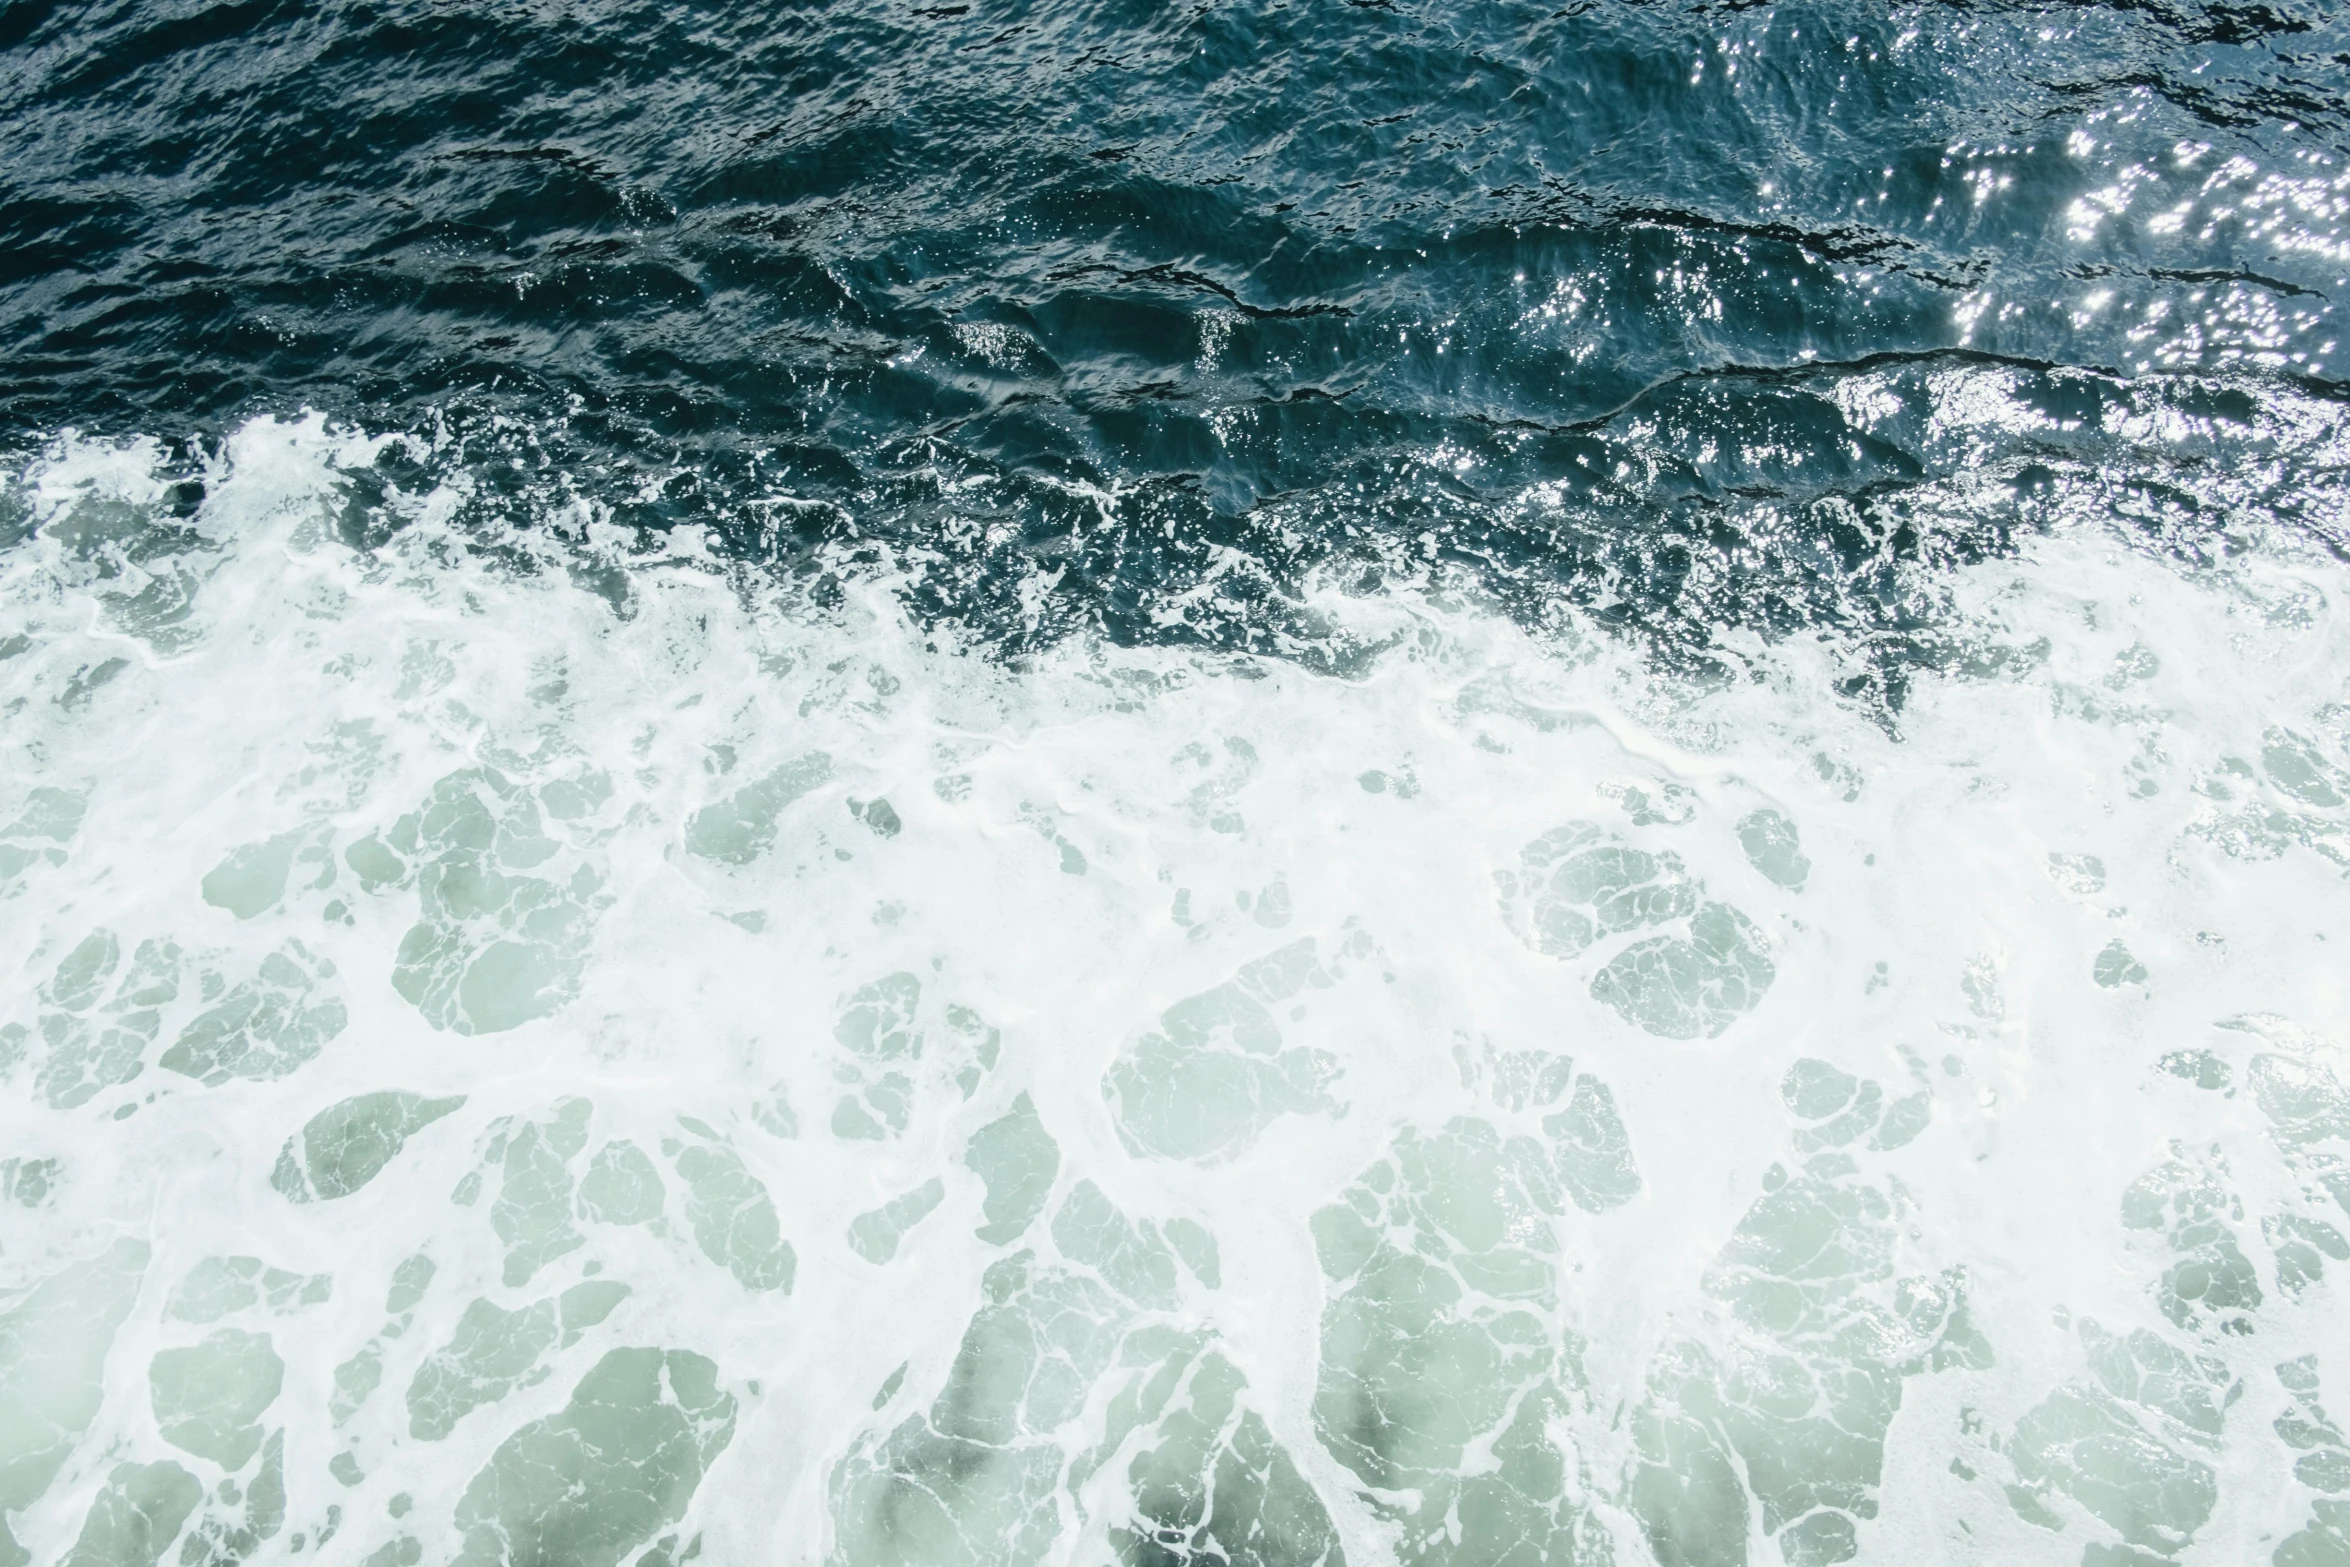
1263	783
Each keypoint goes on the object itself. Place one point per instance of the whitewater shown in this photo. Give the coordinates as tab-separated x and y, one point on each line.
568	1046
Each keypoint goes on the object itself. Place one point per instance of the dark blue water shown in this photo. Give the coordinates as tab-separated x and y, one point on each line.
1130	318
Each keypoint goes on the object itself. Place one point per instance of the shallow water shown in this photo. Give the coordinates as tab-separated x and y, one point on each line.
1255	785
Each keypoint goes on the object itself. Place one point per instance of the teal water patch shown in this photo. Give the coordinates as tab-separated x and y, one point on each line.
1216	1072
1782	1426
530	1164
1774	846
495	1352
880	1044
40	831
1694	986
1441	1344
54	1343
1578	885
733	1218
342	1148
622	1186
105	1015
493	946
875	1234
743	825
600	1477
264	1027
897	1054
252	879
209	1397
136	1516
1017	1160
1021	1422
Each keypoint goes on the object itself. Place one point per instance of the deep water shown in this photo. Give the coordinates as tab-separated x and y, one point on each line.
1125	319
1261	784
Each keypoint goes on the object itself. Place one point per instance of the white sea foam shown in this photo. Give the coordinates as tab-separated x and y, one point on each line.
859	1102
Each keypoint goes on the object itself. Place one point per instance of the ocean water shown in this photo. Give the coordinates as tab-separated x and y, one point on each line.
1257	784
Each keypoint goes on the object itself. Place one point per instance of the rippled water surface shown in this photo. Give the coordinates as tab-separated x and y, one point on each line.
1234	785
